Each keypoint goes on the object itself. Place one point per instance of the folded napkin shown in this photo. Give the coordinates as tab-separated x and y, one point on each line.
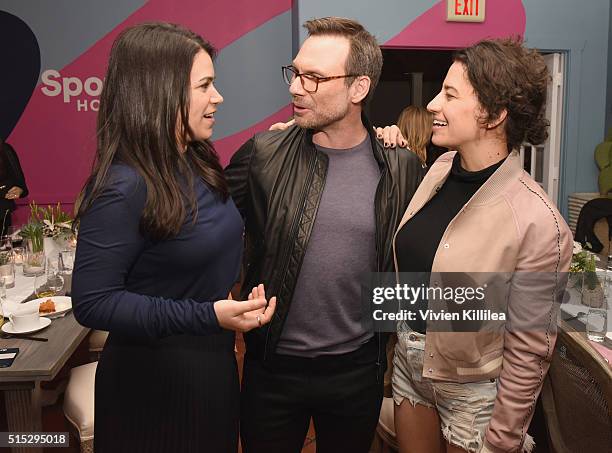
27	308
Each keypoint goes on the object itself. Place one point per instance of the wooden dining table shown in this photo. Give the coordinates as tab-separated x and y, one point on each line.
36	362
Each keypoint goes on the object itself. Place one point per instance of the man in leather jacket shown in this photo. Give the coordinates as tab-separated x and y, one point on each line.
321	201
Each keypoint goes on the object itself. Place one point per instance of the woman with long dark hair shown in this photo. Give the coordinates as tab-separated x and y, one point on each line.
159	248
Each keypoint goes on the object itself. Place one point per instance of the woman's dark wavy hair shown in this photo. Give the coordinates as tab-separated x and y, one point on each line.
146	95
507	75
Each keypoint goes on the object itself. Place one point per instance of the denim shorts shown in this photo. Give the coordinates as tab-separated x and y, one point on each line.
464	409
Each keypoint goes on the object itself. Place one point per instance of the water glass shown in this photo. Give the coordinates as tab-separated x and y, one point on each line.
55	281
33	263
597	316
7	274
18	255
66	261
14	233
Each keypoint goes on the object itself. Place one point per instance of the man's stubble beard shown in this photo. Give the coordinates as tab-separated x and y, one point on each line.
320	120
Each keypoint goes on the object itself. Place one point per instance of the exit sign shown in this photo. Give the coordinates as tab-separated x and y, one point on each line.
466	11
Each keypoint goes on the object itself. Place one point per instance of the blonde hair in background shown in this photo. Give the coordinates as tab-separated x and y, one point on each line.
415	123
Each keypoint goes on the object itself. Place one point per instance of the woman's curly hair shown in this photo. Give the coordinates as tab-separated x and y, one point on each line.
507	75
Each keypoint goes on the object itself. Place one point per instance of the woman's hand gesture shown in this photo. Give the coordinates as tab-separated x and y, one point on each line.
243	316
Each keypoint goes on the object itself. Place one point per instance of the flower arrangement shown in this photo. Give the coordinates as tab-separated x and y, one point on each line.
583	261
55	223
50	222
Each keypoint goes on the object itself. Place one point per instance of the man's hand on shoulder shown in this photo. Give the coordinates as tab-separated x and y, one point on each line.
391	136
281	126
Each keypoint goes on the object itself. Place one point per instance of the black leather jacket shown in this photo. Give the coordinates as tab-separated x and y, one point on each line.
276	180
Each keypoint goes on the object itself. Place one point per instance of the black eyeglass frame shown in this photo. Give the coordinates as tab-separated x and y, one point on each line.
310	77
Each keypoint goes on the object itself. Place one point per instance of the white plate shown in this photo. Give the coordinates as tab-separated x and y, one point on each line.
63	304
8	327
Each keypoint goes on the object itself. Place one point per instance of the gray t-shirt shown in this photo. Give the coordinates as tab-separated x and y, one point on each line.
325	314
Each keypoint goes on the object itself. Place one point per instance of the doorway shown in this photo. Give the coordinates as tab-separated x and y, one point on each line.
414	77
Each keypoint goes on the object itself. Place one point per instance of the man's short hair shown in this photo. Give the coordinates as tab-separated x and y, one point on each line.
364	57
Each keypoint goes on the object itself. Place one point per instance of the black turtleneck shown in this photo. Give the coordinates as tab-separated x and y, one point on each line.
418	240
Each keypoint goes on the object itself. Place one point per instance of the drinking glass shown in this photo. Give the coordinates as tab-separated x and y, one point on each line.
49	283
66	261
597	316
33	263
55	281
18	255
7	269
14	233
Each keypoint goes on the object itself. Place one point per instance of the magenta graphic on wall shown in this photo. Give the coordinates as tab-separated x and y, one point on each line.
51	121
54	134
503	19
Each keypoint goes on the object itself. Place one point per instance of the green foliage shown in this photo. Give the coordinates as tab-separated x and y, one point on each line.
33	231
603	158
583	261
55	222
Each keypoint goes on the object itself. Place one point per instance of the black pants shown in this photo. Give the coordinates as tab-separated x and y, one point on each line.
342	394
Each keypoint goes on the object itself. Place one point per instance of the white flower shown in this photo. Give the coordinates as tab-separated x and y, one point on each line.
577	247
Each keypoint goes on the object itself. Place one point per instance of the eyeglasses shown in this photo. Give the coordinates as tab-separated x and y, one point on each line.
310	82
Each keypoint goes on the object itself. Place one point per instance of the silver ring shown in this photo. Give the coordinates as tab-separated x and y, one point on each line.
258	320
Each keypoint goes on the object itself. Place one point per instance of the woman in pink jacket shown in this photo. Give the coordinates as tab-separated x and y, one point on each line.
478	211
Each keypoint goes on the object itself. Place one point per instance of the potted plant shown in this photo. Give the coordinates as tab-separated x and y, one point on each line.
583	264
34	259
56	226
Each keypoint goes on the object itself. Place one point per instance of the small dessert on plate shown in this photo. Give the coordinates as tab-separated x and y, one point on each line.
48	306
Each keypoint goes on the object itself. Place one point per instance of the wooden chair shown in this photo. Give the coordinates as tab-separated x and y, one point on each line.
577	397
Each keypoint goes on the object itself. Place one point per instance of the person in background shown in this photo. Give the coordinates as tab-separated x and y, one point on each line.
415	125
159	248
478	211
12	183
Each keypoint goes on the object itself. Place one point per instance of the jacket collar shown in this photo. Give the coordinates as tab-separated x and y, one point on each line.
377	147
510	170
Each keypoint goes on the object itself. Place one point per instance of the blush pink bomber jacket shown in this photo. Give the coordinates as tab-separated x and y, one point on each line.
509	226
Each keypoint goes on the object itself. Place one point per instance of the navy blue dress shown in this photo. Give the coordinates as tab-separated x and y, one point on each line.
167	379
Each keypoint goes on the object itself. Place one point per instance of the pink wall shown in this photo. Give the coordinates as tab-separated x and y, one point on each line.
503	19
56	141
